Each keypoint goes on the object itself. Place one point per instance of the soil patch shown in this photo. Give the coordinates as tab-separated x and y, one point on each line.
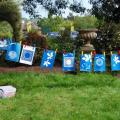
28	69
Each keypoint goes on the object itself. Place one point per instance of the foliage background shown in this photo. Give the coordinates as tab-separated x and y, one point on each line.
5	30
10	12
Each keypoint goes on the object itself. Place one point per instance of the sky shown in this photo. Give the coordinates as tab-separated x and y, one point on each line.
44	13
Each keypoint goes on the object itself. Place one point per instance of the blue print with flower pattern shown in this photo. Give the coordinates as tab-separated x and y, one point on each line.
48	59
115	62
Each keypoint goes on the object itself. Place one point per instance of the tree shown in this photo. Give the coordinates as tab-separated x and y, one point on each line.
54	7
76	7
85	22
108	13
50	24
108	10
108	37
9	11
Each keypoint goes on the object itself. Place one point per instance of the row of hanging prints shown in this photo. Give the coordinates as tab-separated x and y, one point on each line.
26	56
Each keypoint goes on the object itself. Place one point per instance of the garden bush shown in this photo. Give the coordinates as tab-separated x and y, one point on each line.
10	12
65	43
108	37
5	30
37	39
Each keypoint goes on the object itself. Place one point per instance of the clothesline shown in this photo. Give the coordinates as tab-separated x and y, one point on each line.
25	55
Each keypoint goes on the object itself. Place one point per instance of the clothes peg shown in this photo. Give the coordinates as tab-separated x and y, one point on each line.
94	52
64	51
56	50
91	53
111	52
118	52
82	53
104	53
25	44
20	42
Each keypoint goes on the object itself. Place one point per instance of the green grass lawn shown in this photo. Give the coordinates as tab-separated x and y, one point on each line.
61	97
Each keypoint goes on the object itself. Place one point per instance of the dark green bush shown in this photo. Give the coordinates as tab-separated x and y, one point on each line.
108	37
65	43
10	12
35	38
